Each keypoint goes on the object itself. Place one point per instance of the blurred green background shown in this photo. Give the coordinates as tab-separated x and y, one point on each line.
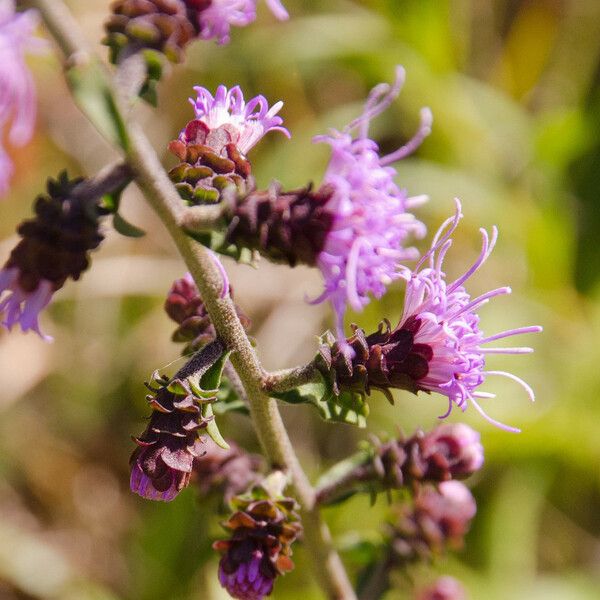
513	86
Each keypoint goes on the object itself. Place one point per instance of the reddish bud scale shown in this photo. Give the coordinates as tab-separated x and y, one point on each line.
166	26
185	306
210	163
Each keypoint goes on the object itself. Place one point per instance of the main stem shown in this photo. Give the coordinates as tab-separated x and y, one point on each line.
162	196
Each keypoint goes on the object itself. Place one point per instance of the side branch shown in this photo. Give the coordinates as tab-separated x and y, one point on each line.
287	379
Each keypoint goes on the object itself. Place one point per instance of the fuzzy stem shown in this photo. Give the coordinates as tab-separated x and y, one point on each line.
110	179
200	218
288	379
162	196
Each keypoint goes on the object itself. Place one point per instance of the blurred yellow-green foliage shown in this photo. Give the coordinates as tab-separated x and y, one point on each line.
513	86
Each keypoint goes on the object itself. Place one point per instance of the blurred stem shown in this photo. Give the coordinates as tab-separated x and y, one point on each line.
164	199
200	218
345	477
110	179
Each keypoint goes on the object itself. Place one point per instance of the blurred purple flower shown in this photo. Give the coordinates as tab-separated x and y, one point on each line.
445	588
371	219
447	347
227	119
21	306
217	18
17	91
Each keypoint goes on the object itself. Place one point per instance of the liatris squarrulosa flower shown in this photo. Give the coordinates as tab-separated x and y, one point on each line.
436	520
371	218
185	306
228	472
354	228
55	245
445	588
263	529
437	345
212	147
218	16
161	465
449	451
17	90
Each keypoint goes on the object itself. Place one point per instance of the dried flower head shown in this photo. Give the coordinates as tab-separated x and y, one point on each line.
371	214
55	246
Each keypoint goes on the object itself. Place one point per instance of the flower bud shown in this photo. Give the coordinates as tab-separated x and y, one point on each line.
54	246
259	548
437	519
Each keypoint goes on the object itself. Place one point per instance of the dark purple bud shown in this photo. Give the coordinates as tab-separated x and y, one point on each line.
259	547
438	519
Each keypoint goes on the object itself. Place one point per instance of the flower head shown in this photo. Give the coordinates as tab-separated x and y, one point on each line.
228	119
17	91
438	342
445	588
437	519
371	220
259	547
217	18
55	245
437	346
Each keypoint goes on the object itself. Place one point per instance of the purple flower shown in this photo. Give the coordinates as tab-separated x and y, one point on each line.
371	219
252	580
20	305
460	445
227	119
445	588
17	91
448	349
219	16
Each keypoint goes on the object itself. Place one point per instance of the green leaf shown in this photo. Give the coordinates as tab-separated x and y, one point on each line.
211	379
212	428
347	407
229	401
215	240
92	92
126	228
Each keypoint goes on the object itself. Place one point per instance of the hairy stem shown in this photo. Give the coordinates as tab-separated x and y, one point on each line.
162	196
287	379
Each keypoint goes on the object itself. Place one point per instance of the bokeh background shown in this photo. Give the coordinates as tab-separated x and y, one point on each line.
513	86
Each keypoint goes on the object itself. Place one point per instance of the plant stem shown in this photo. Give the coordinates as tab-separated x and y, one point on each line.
346	477
162	196
287	379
